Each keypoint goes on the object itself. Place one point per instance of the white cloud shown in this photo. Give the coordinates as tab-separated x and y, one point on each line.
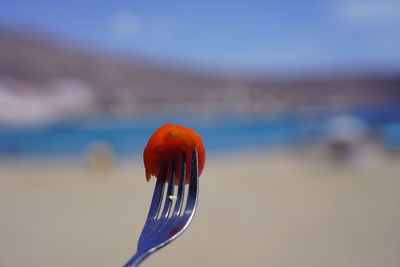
125	25
373	26
369	11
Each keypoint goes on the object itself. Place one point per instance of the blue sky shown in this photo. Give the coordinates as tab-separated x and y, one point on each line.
302	35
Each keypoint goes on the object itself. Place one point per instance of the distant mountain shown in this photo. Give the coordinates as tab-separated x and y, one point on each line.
126	86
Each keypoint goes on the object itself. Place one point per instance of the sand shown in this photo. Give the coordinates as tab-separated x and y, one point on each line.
284	208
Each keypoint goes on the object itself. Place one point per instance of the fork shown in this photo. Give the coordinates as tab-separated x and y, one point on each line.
166	221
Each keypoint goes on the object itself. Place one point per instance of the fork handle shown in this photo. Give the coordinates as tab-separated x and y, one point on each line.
136	259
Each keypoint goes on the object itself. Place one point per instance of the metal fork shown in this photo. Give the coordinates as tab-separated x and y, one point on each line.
166	221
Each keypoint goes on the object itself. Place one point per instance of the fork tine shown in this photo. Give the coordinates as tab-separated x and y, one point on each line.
170	190
193	184
181	185
157	233
157	196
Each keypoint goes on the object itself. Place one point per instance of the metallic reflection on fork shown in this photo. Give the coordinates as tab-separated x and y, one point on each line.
166	220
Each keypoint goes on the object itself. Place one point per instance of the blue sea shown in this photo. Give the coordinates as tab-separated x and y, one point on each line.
225	134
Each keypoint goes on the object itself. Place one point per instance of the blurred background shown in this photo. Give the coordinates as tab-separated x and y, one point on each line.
297	102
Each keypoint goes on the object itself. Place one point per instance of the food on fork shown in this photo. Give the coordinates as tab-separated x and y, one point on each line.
166	146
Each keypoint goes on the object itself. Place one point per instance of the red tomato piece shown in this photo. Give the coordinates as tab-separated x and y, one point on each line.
166	145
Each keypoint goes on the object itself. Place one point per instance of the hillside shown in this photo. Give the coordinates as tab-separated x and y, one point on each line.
41	66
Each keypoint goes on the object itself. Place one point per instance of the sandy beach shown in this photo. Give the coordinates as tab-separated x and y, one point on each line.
281	209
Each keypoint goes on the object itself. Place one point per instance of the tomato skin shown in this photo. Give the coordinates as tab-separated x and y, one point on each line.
166	146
